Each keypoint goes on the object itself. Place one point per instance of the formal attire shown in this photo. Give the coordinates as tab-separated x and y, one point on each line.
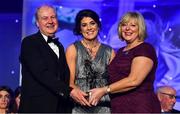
142	98
170	112
45	76
92	73
175	111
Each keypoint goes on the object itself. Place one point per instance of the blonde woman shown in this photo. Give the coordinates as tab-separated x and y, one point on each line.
132	71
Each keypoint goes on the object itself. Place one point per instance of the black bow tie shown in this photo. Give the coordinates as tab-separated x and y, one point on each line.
53	40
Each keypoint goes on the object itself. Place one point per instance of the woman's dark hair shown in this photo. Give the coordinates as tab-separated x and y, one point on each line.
85	13
11	93
17	91
8	89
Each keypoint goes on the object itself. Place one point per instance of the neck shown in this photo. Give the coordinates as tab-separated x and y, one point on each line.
51	35
132	44
91	46
91	43
3	111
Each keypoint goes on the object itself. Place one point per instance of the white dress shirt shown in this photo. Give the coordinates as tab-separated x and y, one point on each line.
53	46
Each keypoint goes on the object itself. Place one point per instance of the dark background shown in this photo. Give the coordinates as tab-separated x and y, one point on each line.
11	6
10	39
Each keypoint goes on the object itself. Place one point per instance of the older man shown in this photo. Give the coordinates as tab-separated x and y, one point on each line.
167	98
45	74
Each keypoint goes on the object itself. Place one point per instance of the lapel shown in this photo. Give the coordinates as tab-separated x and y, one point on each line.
46	47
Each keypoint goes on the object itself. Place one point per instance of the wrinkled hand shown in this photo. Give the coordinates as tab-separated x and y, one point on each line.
79	96
96	95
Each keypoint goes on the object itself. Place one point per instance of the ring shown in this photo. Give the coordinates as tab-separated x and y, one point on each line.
90	94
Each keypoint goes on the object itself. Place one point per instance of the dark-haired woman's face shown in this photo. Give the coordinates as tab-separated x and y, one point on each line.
89	28
4	99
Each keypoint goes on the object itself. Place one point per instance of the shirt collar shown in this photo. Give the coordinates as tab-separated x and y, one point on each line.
45	37
162	110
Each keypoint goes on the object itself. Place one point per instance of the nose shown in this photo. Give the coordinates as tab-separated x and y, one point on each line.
3	99
89	27
174	100
50	20
127	27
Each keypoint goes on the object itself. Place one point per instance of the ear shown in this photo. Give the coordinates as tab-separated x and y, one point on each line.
159	96
37	24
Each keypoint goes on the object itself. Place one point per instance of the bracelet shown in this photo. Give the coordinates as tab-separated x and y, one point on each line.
108	90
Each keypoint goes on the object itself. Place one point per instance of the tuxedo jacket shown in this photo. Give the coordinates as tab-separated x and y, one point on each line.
175	111
45	77
171	112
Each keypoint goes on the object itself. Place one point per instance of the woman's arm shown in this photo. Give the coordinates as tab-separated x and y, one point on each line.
71	61
140	68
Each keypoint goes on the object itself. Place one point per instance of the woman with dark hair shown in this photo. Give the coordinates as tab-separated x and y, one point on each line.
88	60
6	96
17	95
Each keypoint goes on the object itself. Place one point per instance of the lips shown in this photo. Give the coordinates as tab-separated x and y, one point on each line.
128	33
3	104
50	26
90	32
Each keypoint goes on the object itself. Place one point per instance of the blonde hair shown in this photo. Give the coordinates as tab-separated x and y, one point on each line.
140	22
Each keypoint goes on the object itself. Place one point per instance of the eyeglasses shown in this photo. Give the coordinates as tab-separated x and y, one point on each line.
171	96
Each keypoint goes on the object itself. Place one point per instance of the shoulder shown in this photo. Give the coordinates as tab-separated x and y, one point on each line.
32	37
145	45
32	41
145	49
108	50
71	52
77	43
106	47
74	45
71	49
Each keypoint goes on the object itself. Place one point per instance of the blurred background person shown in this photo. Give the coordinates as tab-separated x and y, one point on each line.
132	71
17	95
88	60
6	96
167	97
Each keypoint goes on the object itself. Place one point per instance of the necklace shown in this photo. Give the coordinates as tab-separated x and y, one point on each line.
92	50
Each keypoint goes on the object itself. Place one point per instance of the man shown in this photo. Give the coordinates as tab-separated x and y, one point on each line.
45	74
167	98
